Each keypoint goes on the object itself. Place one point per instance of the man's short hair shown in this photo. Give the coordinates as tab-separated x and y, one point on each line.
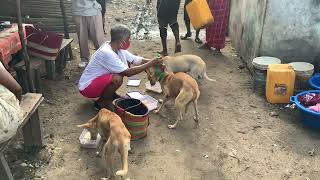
119	32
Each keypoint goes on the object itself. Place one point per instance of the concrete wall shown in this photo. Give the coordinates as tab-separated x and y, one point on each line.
288	29
292	30
245	26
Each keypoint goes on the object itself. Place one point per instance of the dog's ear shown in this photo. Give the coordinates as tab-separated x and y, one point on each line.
85	126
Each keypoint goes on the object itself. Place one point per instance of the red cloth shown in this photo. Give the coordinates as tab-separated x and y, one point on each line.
9	43
42	44
309	99
95	89
216	32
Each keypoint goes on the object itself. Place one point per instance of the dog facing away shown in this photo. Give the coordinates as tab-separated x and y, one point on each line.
180	86
191	64
111	127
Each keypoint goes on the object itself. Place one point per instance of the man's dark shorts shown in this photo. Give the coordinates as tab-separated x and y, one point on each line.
167	12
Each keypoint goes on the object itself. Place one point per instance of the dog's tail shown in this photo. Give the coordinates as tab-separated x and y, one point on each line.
87	124
124	171
206	76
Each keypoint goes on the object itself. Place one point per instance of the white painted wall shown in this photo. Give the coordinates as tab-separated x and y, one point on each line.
292	30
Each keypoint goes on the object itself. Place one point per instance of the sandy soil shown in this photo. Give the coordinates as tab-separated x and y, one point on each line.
237	138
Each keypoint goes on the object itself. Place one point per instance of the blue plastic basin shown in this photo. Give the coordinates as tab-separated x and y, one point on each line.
314	81
308	117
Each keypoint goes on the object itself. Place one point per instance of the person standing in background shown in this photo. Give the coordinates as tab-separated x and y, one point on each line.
103	12
216	32
167	12
88	20
187	23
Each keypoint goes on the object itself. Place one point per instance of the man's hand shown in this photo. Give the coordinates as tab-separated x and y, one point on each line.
157	61
137	69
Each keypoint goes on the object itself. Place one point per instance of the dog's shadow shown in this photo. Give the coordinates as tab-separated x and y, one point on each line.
168	114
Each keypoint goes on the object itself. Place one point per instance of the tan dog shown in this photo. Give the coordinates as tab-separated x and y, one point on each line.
180	86
110	126
191	64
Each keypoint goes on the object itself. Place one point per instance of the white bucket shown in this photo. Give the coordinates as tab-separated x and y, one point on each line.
303	72
260	65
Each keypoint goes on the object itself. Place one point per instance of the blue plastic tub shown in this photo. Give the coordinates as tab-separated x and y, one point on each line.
314	81
308	117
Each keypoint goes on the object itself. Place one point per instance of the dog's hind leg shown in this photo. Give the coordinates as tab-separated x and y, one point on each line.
124	156
180	105
109	150
196	112
179	117
165	99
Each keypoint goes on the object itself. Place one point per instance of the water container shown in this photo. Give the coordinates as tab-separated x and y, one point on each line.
303	72
308	117
260	66
280	83
314	81
199	13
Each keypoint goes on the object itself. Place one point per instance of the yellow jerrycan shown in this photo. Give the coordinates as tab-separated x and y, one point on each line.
199	13
280	83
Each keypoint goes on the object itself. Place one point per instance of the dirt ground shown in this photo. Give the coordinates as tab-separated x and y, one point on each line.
237	138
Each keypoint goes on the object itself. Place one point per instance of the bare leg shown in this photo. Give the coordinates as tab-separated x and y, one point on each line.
198	40
175	30
163	35
186	22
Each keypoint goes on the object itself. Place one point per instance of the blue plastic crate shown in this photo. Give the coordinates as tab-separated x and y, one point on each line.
308	117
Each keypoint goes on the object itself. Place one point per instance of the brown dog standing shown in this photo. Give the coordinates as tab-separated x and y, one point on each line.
110	126
180	86
188	63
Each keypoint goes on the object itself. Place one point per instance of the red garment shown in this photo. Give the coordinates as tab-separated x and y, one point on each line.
95	89
216	32
42	44
309	99
9	43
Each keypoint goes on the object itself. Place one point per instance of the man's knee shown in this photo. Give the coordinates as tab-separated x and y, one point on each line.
117	79
174	26
163	32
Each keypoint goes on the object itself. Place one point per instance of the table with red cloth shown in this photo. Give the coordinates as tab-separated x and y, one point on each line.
9	43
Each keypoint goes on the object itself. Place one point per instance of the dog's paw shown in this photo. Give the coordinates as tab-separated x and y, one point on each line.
195	118
171	126
121	173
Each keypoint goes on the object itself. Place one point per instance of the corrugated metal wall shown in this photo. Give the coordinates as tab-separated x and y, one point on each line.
44	13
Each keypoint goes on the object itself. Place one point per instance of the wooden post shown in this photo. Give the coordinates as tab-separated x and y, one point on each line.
4	169
23	44
32	132
65	25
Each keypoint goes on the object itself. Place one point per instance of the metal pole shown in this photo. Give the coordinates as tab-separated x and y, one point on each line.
65	25
23	45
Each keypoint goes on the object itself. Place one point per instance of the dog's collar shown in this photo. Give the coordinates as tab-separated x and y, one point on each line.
162	76
160	73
